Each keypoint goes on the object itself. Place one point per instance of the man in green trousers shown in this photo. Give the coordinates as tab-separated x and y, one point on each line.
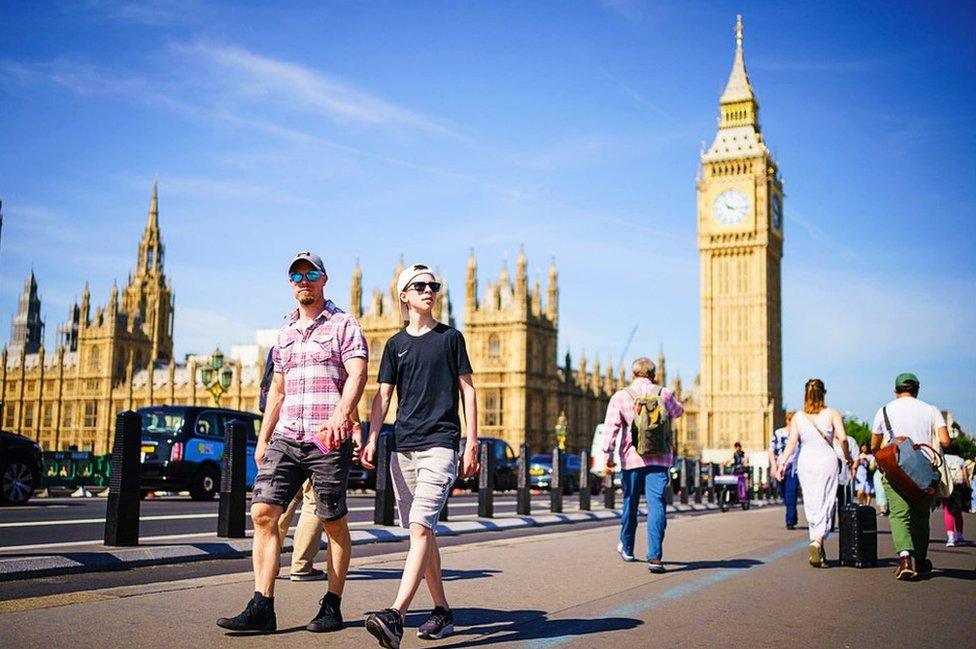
908	416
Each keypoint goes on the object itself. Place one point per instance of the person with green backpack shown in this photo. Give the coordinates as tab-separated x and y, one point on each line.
639	419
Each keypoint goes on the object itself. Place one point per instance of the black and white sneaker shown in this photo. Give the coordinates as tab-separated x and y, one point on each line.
387	627
439	624
259	615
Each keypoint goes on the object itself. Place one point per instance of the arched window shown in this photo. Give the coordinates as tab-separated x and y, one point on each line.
93	359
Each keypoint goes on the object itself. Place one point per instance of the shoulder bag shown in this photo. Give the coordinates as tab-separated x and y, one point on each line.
911	472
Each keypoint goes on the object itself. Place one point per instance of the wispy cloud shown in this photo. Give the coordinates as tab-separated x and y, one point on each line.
832	243
247	75
200	188
77	77
256	81
636	96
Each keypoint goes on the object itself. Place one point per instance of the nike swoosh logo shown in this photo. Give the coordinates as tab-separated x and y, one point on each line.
400	355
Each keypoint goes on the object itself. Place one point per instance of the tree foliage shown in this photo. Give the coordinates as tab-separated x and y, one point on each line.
967	446
858	429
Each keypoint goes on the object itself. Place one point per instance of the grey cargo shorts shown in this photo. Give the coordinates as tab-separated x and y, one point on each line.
288	463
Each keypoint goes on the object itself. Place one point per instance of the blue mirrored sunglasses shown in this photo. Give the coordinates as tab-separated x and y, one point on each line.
312	276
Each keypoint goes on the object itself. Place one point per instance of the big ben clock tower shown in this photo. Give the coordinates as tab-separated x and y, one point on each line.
740	239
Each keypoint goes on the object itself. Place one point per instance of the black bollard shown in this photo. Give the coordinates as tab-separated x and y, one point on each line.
584	481
683	478
122	514
556	482
523	505
760	491
232	510
696	476
383	503
486	481
712	472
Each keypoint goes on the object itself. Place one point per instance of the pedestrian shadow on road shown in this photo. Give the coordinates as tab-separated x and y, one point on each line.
949	573
497	626
737	564
395	573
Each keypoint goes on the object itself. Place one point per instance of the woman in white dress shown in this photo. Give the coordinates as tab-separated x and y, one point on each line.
815	430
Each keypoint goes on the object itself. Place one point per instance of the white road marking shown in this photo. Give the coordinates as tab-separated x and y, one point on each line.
174	517
169	537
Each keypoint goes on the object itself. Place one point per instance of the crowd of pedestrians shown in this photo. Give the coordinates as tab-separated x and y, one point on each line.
310	437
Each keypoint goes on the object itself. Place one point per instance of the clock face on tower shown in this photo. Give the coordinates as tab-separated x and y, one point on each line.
730	207
777	212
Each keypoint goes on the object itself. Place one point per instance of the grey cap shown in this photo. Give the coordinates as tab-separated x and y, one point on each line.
310	257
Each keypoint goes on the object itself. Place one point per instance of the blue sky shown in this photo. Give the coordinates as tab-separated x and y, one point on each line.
371	129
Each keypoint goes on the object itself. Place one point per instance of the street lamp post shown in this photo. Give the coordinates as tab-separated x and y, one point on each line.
562	424
216	376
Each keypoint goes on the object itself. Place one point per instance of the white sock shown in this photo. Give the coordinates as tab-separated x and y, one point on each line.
904	553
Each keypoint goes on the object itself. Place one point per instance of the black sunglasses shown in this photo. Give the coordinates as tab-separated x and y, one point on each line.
421	286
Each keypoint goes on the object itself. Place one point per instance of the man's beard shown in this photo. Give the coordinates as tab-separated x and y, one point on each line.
305	298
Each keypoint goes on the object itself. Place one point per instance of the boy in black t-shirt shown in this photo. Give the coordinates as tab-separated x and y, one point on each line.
427	363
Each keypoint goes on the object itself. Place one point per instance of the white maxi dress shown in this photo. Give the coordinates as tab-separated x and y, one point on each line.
816	466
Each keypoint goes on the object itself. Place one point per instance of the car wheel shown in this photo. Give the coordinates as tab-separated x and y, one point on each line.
205	484
19	482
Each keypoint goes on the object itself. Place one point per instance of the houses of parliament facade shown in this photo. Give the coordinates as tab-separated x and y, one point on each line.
120	356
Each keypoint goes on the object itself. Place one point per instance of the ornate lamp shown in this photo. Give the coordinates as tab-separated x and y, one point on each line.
562	424
216	376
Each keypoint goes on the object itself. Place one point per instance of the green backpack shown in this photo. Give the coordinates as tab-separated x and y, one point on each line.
651	429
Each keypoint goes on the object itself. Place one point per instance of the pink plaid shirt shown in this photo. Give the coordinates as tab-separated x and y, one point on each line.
311	361
620	415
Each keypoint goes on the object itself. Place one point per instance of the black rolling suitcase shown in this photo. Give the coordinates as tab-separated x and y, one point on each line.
858	534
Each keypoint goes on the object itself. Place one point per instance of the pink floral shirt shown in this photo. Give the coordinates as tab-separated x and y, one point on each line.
312	362
620	416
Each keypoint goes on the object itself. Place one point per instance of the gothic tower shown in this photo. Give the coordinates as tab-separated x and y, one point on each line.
147	300
511	338
27	329
740	240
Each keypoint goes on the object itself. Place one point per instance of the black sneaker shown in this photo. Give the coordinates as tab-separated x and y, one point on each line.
387	627
259	615
439	624
329	617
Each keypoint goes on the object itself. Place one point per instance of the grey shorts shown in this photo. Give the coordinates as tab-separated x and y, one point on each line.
422	482
288	463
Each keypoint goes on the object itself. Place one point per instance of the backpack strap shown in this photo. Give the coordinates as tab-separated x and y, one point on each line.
635	397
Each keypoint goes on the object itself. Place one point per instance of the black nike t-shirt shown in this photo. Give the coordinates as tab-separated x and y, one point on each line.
425	371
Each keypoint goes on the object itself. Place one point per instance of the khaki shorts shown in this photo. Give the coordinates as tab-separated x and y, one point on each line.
422	481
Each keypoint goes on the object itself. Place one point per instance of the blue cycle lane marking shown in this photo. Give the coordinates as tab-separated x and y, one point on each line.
668	596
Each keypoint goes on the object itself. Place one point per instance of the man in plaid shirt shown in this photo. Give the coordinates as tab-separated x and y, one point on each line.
320	371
